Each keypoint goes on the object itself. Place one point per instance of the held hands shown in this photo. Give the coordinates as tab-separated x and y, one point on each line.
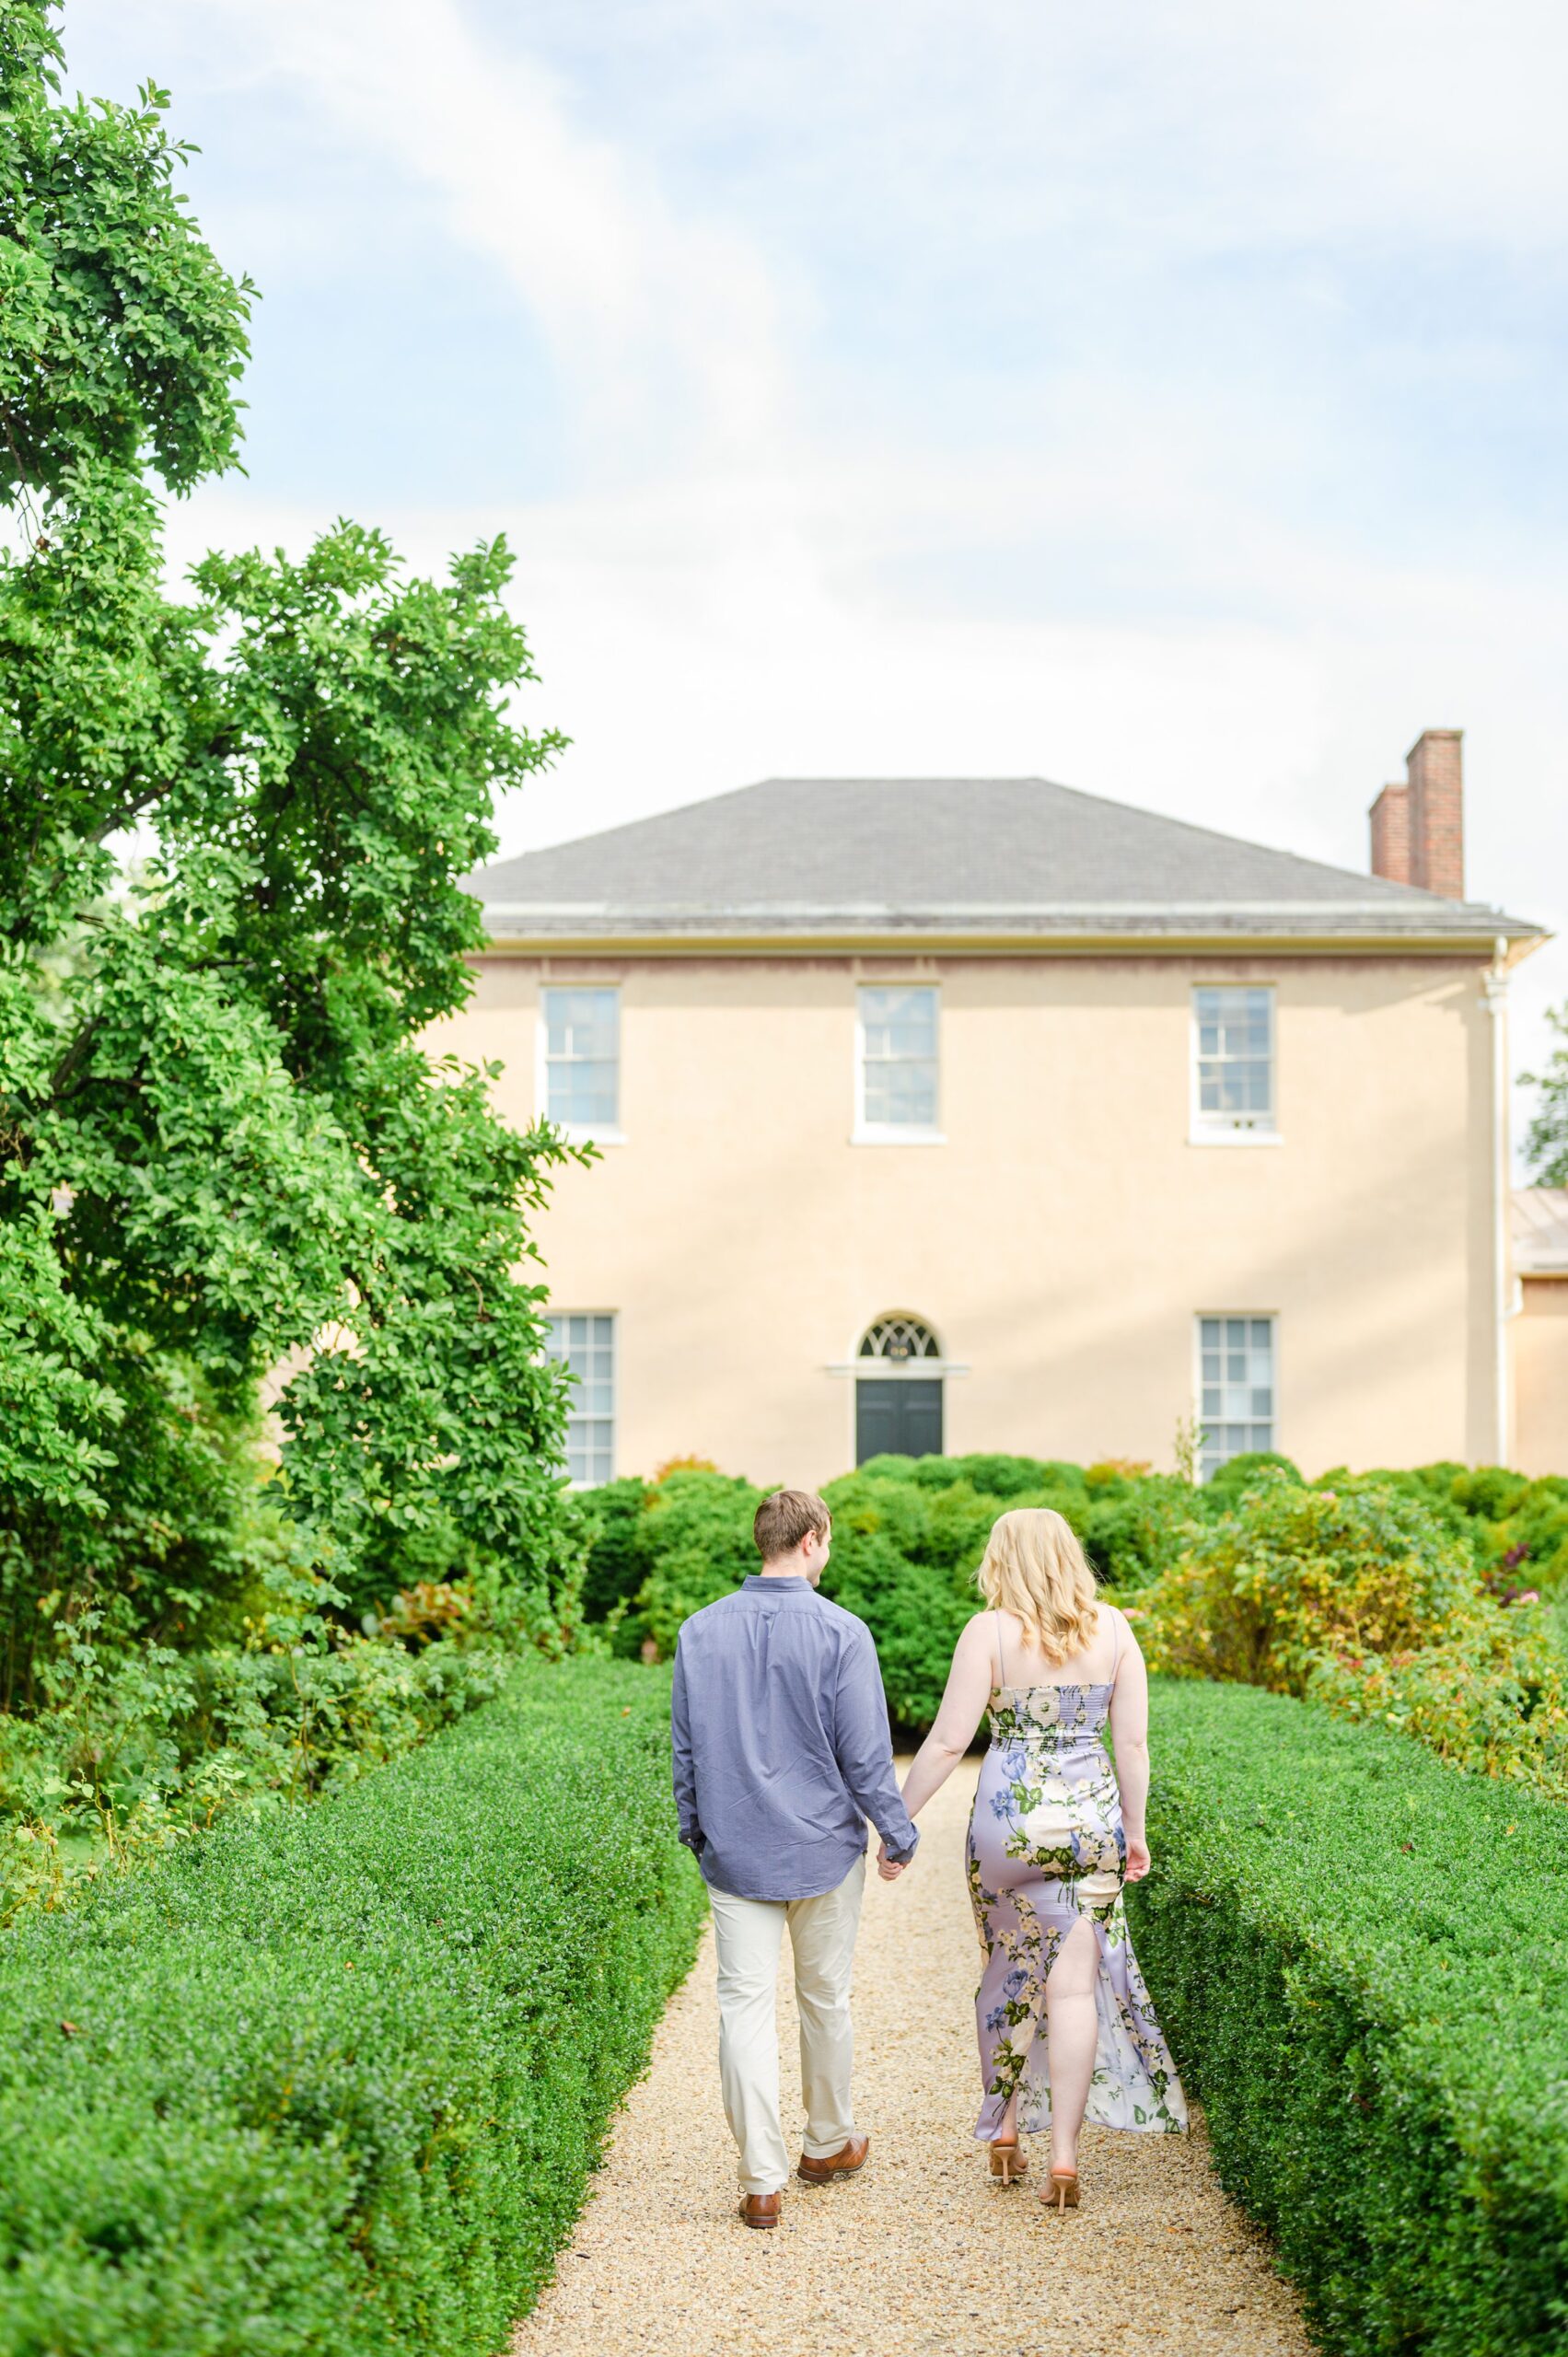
1137	1859
885	1866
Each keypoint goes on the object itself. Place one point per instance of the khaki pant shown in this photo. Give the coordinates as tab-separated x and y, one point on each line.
749	1934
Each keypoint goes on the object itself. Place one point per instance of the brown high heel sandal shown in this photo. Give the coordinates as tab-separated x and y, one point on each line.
1006	2162
1060	2190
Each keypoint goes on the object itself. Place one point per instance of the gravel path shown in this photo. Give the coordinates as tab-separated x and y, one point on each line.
920	2254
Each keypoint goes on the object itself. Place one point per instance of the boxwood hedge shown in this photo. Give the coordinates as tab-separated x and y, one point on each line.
1361	1955
335	2081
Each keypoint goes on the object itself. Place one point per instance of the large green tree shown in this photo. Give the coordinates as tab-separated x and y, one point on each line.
233	826
1546	1142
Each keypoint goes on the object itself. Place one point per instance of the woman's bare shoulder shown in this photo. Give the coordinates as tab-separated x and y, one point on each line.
1119	1623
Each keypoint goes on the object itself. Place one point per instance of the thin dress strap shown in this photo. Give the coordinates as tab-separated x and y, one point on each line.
1001	1680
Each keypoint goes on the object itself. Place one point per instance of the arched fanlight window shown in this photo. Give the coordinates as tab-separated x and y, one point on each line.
899	1339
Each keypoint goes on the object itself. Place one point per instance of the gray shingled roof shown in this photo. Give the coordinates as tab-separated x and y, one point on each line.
907	857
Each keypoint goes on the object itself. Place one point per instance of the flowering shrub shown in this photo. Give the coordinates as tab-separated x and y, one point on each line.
1291	1574
1492	1697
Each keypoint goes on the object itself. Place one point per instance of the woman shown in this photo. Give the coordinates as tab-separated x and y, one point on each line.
1054	1833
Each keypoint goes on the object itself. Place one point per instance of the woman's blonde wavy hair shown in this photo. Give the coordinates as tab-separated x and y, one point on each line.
1034	1565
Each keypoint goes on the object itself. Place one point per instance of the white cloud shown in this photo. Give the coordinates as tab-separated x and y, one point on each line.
1173	570
663	326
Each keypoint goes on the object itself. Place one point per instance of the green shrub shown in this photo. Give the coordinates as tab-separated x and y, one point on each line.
1134	1529
695	1534
1287	1574
874	1501
335	2083
1360	1958
1492	1697
617	1563
1517	1527
940	1509
1240	1473
1528	1545
908	1537
915	1612
150	1746
1421	1483
904	1559
962	1519
1488	1491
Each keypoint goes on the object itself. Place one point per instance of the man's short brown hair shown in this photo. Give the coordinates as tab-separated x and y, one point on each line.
783	1520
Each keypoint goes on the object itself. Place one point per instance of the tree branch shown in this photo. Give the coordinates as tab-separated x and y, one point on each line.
74	1056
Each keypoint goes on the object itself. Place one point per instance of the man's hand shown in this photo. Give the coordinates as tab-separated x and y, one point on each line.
885	1866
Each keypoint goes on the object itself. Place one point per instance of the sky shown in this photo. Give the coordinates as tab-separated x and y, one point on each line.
1165	401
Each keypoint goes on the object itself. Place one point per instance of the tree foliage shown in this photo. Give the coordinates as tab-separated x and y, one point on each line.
224	1148
1545	1141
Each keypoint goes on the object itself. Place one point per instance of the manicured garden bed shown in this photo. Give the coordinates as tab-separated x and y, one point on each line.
335	2081
1361	1958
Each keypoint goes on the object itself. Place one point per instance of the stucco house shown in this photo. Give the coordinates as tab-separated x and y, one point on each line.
976	1114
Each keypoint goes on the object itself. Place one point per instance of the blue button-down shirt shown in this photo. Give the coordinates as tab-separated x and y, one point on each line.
782	1749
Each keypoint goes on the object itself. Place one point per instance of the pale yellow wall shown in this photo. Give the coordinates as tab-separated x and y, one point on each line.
1063	1238
1539	1336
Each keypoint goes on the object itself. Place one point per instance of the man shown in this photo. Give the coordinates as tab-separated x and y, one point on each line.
782	1752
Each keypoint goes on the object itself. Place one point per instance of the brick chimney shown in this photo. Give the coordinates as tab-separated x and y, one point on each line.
1418	827
1392	834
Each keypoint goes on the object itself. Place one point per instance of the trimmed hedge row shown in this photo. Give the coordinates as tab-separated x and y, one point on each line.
335	2083
1361	1958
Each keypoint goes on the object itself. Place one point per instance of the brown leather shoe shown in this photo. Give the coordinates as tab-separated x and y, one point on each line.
843	2163
761	2209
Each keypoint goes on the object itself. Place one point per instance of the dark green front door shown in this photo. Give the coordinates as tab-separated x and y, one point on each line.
894	1419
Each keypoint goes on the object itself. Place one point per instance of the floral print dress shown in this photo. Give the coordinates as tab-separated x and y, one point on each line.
1045	1848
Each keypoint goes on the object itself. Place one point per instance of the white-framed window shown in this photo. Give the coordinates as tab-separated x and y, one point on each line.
1234	1095
896	1062
1237	1386
584	1342
579	1053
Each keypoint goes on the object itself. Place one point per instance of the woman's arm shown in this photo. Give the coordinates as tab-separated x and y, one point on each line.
969	1690
1130	1734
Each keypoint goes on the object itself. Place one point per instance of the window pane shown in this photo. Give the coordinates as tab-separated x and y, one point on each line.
582	1057
898	1070
1234	1083
583	1343
580	1023
1236	1388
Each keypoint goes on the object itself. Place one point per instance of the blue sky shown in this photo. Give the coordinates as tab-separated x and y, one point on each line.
1166	401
